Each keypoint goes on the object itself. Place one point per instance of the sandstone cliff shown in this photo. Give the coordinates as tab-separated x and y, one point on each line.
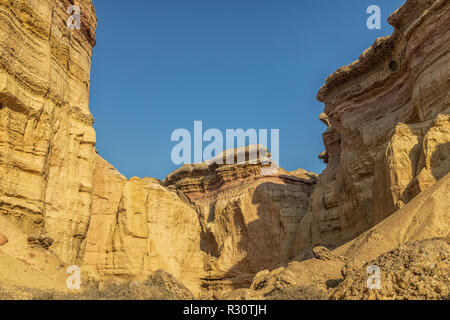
248	221
210	226
138	226
214	227
321	270
388	136
46	135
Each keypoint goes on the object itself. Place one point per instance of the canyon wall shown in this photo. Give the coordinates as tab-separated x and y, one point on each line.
53	185
342	272
388	118
46	135
212	226
138	226
248	220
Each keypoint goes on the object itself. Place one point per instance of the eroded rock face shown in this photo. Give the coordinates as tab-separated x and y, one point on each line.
212	226
3	240
221	224
248	220
138	227
398	245
46	135
389	122
415	271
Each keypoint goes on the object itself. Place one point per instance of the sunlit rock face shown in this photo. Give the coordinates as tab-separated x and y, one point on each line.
46	135
248	220
212	226
54	186
388	136
138	226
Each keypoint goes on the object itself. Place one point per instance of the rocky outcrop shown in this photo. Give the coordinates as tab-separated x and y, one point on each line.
425	217
138	226
387	150
46	135
248	220
417	271
388	136
212	226
216	223
215	226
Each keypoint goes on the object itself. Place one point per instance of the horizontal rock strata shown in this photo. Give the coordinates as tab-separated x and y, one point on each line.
388	136
215	226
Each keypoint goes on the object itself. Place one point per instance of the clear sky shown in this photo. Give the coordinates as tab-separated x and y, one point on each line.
161	64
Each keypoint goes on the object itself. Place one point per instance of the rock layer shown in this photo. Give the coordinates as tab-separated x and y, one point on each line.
425	217
215	227
46	135
212	226
388	136
248	220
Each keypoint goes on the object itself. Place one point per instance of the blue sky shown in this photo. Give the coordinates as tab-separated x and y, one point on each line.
159	65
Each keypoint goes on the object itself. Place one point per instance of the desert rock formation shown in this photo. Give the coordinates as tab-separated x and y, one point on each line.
388	136
212	226
46	135
248	220
67	200
425	217
418	270
222	227
138	227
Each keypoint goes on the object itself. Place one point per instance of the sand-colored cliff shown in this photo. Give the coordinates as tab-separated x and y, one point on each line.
214	227
46	135
322	272
66	201
248	220
388	136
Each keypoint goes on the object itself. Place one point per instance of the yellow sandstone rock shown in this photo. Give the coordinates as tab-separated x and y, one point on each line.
3	240
214	227
210	226
388	135
46	135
